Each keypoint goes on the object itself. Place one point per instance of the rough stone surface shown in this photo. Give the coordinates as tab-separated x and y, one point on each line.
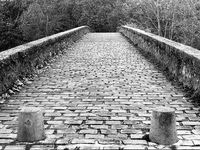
30	125
24	60
163	126
181	61
100	94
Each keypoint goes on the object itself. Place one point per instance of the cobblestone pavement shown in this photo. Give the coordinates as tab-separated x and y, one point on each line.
100	95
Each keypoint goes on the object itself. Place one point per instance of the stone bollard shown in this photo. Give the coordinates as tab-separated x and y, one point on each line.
30	125
163	126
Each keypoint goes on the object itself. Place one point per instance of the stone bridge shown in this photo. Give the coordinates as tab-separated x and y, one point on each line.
98	90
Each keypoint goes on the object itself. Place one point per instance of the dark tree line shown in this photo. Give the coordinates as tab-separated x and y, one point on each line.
26	20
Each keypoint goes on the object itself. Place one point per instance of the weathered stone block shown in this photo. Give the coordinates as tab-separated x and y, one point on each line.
31	125
163	126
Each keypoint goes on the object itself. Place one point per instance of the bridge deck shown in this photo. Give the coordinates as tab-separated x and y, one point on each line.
101	92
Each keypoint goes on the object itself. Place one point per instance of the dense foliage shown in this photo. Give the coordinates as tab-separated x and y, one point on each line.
26	20
178	20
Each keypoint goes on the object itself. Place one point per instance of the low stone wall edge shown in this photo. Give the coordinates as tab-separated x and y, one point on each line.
22	60
183	62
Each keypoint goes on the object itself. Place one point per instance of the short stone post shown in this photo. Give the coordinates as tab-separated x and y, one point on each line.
163	126
30	125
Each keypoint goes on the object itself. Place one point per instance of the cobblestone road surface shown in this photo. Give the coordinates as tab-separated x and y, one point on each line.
100	95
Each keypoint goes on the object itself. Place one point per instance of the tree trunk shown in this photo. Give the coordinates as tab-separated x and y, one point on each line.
47	25
158	17
173	20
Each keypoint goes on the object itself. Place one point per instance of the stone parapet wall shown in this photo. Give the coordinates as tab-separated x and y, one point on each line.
181	61
23	60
